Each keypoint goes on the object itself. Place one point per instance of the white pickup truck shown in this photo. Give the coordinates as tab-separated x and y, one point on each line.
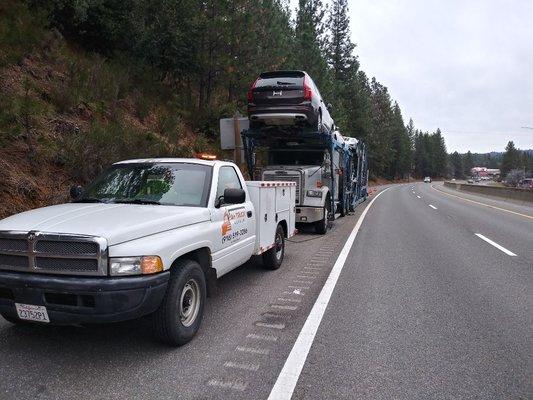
146	237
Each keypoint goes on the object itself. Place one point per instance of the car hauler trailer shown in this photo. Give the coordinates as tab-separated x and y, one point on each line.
330	171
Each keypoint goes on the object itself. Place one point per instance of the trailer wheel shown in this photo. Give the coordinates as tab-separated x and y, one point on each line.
321	227
178	318
344	209
273	258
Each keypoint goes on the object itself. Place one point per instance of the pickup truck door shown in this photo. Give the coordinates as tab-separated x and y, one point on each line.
236	226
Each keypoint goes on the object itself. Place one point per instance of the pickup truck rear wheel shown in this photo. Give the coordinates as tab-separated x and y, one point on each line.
273	258
178	318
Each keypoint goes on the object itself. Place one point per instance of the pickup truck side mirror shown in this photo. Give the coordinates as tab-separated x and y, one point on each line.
76	192
234	196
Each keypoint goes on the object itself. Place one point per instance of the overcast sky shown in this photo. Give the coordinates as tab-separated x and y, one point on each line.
465	66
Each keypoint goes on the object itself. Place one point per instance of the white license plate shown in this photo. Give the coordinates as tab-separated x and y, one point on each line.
29	312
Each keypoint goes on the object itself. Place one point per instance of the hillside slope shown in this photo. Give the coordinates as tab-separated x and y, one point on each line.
65	113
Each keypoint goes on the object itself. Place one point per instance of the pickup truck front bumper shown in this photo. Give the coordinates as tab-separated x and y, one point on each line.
82	300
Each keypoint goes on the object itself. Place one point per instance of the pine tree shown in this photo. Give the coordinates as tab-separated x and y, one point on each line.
309	43
468	164
457	165
342	62
339	46
511	159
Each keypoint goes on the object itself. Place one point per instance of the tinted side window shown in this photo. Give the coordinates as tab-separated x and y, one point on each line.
227	179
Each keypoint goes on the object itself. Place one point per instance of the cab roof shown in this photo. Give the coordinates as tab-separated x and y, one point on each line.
173	160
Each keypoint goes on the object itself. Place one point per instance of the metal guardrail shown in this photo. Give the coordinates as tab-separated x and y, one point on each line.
517	194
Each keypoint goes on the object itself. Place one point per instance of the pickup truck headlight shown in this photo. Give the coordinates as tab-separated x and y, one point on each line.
314	193
135	265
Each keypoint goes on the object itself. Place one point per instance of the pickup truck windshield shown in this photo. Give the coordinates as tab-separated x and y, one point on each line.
175	184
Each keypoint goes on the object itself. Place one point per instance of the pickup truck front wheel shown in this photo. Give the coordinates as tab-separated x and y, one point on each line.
178	318
273	258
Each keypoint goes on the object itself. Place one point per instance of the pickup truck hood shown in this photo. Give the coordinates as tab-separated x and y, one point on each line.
117	223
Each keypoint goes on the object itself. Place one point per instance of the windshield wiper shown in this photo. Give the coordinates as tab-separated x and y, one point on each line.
137	201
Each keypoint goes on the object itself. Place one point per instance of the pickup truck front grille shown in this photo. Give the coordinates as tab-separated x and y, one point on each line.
64	247
53	253
285	177
10	261
13	244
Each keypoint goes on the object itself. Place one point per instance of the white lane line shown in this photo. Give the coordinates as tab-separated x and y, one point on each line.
290	373
241	365
486	239
271	326
268	338
419	197
433	207
252	350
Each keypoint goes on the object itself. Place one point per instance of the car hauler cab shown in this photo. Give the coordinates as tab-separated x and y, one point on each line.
146	237
329	171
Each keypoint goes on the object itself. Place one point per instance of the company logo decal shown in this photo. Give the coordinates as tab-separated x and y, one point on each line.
233	225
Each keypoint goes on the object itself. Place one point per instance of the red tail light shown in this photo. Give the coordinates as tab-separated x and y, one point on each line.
308	92
251	91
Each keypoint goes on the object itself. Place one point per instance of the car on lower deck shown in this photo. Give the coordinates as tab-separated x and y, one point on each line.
287	98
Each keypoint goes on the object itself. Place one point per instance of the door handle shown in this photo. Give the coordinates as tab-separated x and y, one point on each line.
249	214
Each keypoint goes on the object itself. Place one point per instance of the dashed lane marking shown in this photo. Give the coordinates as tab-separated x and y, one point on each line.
234	385
253	350
283	307
274	316
268	338
242	365
270	326
493	243
418	196
289	300
483	204
433	207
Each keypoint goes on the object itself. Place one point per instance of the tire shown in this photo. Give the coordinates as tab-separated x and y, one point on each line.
321	227
273	258
179	316
344	208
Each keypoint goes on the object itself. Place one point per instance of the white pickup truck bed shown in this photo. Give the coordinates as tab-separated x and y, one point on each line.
273	201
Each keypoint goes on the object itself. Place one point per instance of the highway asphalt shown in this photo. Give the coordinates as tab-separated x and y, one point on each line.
423	309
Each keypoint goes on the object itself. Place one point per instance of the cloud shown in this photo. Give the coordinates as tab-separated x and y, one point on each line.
462	66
